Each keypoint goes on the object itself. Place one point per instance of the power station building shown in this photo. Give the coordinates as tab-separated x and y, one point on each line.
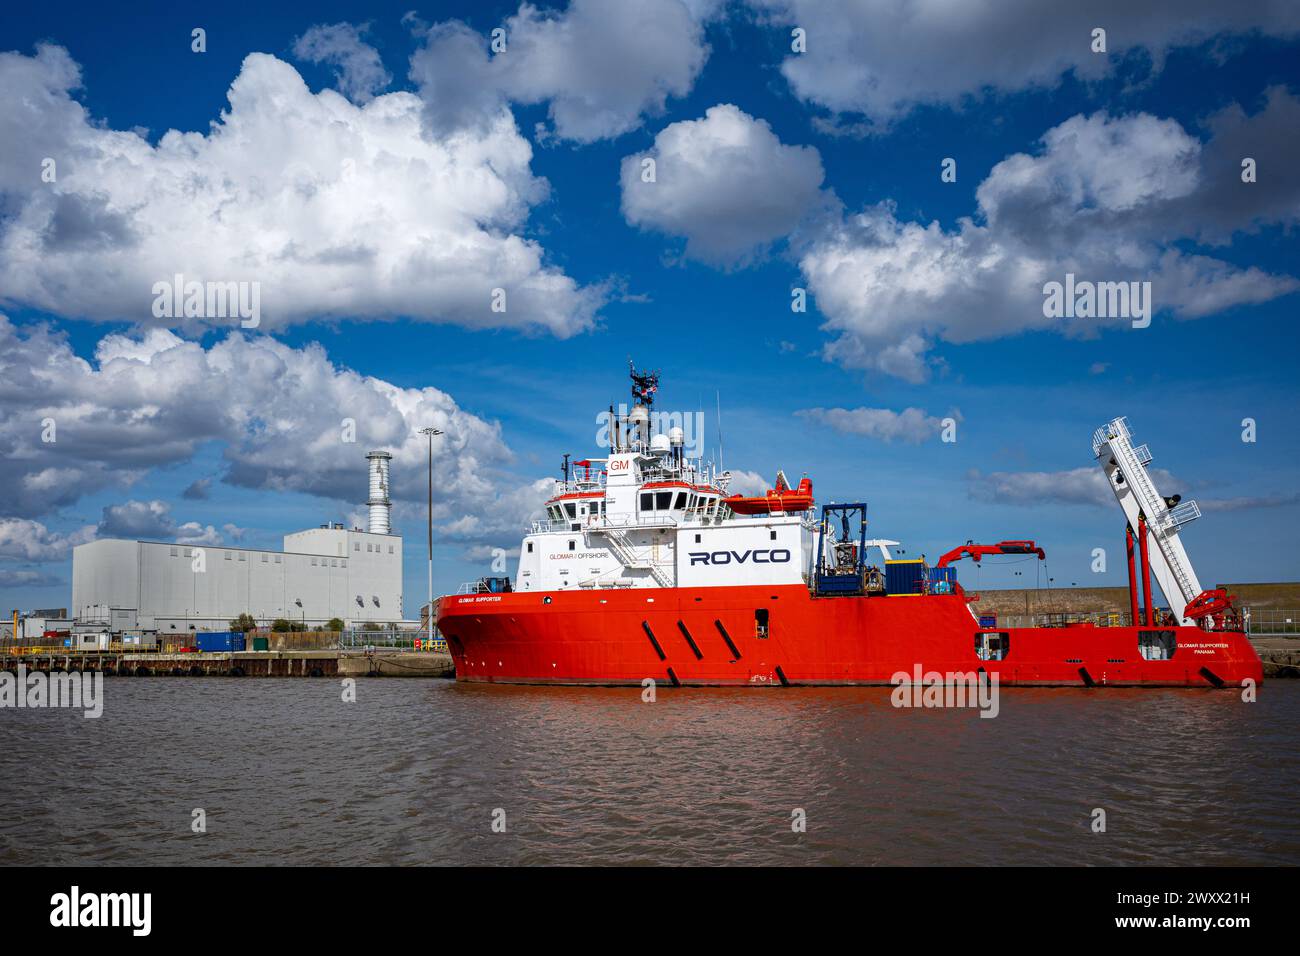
322	573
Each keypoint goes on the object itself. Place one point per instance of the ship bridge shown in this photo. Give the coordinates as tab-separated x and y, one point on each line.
648	515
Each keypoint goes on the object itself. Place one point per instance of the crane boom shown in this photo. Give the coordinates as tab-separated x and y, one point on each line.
1126	472
977	551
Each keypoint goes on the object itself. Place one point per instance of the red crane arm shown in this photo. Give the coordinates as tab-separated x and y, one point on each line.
977	551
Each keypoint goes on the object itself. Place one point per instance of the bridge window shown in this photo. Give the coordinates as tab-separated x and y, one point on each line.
992	645
570	510
647	501
530	547
664	500
681	500
1157	645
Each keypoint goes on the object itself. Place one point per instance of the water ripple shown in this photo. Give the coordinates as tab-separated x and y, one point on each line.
287	773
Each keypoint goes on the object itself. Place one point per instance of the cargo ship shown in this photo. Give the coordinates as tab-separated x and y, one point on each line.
645	566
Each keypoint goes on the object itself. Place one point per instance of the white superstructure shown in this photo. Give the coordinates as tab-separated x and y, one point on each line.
647	516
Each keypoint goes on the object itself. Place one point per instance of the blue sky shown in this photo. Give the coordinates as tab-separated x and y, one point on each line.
1141	181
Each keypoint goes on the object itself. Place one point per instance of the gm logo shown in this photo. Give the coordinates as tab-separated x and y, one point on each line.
760	556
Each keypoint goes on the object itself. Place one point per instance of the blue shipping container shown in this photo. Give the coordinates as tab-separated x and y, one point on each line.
904	577
219	641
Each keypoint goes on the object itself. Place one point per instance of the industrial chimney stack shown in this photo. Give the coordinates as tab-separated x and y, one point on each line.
379	502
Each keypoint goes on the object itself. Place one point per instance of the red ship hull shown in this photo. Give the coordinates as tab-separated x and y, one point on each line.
709	637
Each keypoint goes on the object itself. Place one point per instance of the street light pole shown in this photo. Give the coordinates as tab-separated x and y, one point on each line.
430	432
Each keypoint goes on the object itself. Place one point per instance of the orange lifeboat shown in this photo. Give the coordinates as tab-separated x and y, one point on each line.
780	498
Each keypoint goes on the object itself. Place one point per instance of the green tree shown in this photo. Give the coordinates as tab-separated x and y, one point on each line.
281	626
335	624
243	624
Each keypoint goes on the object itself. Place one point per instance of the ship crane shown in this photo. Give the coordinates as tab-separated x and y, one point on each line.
1156	520
977	551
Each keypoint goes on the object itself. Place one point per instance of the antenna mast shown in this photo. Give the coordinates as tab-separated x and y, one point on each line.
719	396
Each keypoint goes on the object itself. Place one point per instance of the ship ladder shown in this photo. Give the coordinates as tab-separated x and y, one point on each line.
623	551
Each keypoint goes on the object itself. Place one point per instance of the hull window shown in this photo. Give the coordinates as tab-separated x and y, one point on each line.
992	645
1157	645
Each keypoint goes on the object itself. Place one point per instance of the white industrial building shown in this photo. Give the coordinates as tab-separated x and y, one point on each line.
322	573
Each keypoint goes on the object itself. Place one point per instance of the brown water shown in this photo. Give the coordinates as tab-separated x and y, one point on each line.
412	772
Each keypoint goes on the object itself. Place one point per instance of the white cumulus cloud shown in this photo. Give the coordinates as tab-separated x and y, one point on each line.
911	424
152	520
282	415
725	182
748	483
1107	198
358	67
26	540
882	58
336	210
1075	486
600	67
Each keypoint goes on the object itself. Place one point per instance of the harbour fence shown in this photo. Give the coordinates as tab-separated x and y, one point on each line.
391	639
1265	621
